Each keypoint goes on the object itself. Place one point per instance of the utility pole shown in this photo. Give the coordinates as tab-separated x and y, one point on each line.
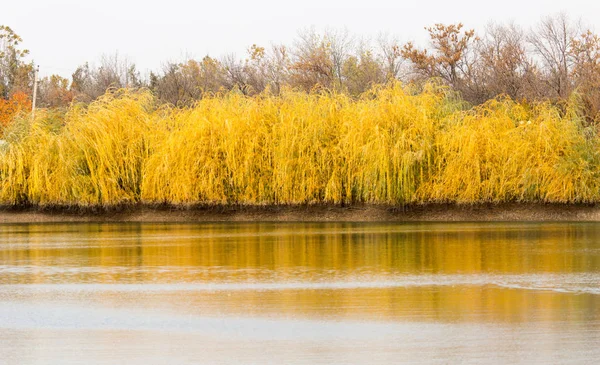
35	82
126	75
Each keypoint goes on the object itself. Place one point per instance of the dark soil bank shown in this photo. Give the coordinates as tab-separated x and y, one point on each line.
306	213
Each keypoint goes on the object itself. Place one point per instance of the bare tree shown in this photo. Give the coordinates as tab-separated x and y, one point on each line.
278	60
505	67
585	51
551	42
115	71
391	57
83	84
233	73
312	65
340	44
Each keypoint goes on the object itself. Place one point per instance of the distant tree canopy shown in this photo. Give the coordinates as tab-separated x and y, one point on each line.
15	74
548	62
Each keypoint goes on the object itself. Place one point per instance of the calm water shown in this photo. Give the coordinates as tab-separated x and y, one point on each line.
299	293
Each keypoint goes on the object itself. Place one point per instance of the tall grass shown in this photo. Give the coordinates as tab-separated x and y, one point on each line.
394	145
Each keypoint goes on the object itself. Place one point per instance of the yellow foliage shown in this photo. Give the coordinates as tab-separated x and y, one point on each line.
392	146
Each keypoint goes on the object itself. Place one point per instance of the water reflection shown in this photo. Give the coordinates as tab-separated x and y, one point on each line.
137	252
425	272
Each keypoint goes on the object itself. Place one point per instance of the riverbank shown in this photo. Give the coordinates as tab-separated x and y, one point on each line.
307	213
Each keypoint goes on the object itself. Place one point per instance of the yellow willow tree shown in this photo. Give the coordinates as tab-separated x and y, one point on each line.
392	145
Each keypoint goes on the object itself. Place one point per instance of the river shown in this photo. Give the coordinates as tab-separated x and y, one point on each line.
300	293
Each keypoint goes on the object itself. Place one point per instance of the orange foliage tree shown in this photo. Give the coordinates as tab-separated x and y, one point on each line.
9	107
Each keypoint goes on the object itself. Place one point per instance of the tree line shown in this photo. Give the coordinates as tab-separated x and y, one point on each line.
548	62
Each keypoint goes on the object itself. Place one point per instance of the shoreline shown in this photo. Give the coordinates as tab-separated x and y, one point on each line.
488	212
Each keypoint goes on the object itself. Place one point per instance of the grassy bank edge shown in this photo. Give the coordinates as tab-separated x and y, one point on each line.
531	212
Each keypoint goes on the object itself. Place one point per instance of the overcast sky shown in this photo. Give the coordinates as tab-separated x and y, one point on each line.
63	34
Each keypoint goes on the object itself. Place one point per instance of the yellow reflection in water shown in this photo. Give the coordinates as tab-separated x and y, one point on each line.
449	272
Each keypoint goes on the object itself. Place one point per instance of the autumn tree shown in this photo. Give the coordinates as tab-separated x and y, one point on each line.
10	107
54	91
207	73
256	69
15	74
186	82
176	86
362	72
82	84
585	53
549	62
448	58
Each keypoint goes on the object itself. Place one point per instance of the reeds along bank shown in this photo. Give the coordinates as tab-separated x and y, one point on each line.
393	145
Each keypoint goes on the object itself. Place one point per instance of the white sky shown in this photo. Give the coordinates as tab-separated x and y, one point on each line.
63	34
